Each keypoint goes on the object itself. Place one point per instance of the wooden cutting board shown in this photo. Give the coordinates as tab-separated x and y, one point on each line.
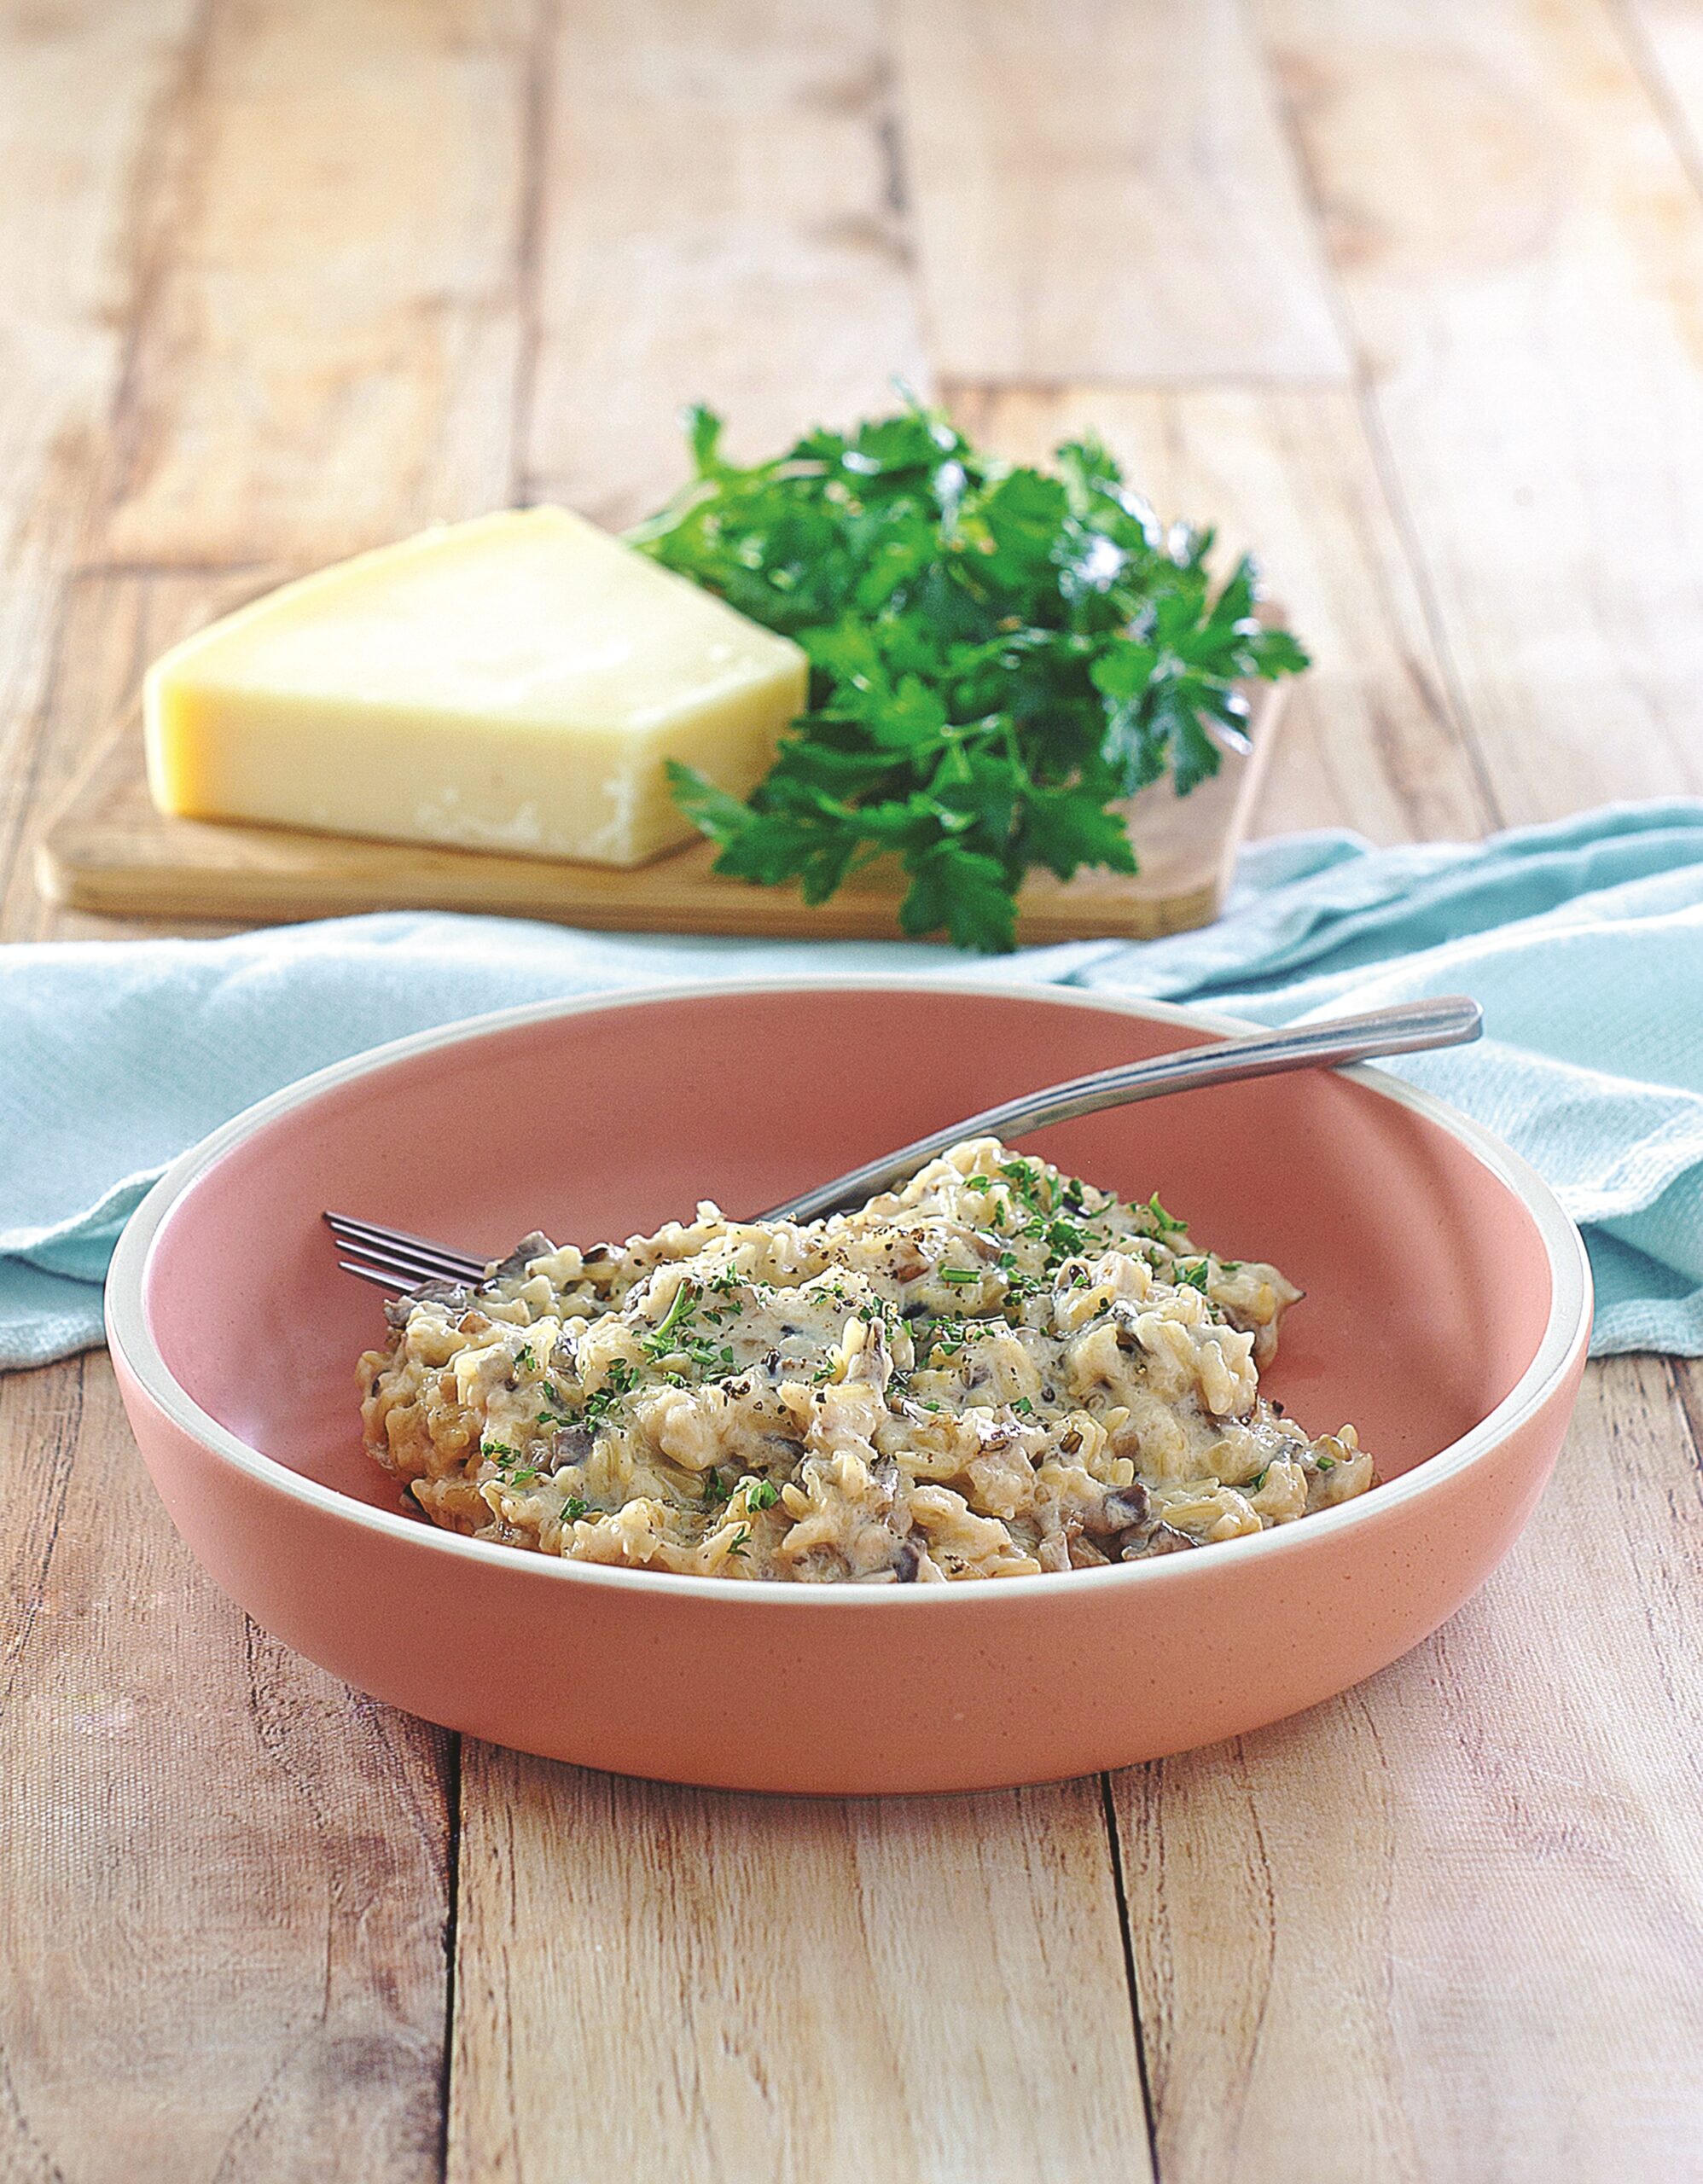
110	851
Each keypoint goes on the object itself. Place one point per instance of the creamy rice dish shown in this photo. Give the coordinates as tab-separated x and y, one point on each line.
997	1371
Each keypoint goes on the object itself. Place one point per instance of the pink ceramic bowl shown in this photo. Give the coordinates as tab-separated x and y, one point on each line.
1448	1304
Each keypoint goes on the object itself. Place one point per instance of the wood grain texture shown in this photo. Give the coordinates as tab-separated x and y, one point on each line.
331	326
223	1872
110	626
1102	192
225	1877
1451	1924
79	85
1445	1928
1371	737
1520	251
718	219
682	1983
109	849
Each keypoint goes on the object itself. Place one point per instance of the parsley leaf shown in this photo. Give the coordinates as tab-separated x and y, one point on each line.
999	657
1166	1224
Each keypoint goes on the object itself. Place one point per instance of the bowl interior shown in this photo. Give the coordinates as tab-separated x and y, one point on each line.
1427	1281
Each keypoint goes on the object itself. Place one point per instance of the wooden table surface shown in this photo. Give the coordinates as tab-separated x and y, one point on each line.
1410	295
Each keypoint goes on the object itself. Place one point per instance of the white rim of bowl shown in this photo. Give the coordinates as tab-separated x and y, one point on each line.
1564	1332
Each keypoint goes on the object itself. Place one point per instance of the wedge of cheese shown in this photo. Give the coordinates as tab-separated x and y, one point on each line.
513	683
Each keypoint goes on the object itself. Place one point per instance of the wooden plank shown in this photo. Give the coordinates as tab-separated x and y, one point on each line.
223	1873
333	328
1451	1924
77	87
1103	193
1371	738
109	851
110	626
1521	255
684	1985
719	221
225	1952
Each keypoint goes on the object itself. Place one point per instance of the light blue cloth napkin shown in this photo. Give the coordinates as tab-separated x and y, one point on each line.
1583	941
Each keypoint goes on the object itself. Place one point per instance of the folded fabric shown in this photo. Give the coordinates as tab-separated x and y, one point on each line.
1583	940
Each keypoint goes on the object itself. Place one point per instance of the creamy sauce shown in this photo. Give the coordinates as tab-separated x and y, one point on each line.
997	1371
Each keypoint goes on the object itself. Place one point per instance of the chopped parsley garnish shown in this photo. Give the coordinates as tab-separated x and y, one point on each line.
1327	1463
716	1490
1029	1184
525	1359
998	656
574	1509
762	1494
1194	1275
515	1470
1024	1405
1167	1225
958	1276
620	1379
679	1310
740	1540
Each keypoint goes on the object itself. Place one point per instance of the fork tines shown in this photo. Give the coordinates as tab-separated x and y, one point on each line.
391	1258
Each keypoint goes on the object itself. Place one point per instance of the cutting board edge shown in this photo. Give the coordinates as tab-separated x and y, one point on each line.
71	876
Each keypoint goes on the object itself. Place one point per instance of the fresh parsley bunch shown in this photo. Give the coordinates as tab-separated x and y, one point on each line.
997	657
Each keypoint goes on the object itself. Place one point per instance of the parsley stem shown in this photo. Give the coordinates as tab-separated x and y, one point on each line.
681	1303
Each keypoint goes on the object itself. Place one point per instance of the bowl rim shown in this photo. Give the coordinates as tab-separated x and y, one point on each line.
130	1338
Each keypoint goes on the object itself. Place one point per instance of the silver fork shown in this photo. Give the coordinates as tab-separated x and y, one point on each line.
398	1262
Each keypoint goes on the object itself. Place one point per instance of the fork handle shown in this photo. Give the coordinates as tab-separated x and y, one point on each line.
1410	1027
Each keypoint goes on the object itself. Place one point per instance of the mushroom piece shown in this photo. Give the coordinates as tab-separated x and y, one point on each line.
1124	1509
1160	1539
537	1246
570	1445
455	1296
